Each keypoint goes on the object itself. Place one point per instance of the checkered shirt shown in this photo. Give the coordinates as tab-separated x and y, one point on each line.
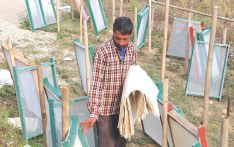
108	78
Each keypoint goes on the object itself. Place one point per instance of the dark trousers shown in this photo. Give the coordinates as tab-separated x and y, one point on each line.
108	133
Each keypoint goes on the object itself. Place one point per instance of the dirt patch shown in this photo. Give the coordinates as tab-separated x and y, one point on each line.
13	10
40	42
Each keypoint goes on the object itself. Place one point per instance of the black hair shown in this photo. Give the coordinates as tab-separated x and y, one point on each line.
123	25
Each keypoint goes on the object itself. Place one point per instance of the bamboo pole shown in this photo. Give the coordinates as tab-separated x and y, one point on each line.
65	111
57	11
225	127
113	11
135	29
228	107
72	9
209	66
87	60
152	15
81	22
165	103
224	39
121	8
12	54
9	43
150	25
165	40
42	103
193	11
189	45
224	132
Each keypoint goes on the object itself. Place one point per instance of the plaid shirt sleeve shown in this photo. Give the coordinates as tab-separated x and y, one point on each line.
94	102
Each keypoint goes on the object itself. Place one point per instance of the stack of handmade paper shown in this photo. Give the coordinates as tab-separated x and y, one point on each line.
139	97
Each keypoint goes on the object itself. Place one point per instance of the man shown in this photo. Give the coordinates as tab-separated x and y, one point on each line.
111	64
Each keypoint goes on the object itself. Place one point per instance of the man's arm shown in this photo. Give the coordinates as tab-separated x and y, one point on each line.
94	102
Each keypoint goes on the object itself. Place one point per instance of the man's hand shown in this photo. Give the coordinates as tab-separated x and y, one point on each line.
88	123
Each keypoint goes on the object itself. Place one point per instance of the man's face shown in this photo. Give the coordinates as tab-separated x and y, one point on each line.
121	41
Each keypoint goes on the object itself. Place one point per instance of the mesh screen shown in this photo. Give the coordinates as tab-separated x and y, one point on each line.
51	120
49	14
83	10
55	110
29	98
179	38
205	35
30	101
155	131
75	136
76	108
80	108
97	10
179	133
197	75
48	128
143	28
72	138
80	57
35	12
47	72
58	122
153	128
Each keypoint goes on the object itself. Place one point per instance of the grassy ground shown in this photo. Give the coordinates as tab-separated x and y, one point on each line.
151	62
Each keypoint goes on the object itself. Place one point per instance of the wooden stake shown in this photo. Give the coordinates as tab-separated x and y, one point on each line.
165	103
189	45
150	25
81	22
196	12
87	58
224	39
65	110
165	40
135	29
224	132
152	15
113	11
42	102
228	107
225	123
72	9
12	54
57	11
209	66
9	43
121	8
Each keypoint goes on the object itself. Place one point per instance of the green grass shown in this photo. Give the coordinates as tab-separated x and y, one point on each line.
3	65
7	92
8	108
7	132
134	3
25	25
